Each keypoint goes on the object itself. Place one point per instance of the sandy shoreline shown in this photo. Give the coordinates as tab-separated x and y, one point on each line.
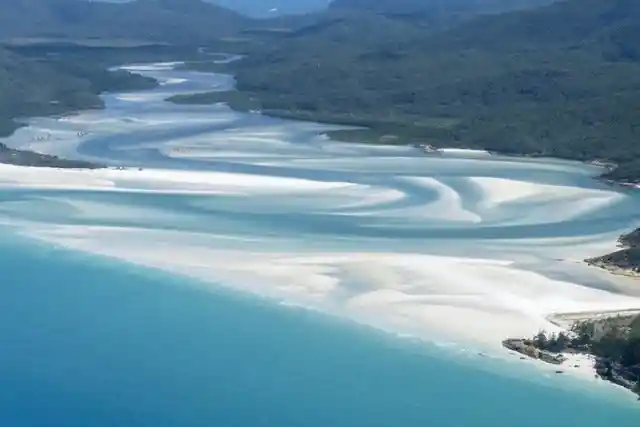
465	299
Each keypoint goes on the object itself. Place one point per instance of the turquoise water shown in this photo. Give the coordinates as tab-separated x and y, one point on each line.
89	342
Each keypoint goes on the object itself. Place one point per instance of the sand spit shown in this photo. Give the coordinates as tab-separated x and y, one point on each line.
476	299
153	180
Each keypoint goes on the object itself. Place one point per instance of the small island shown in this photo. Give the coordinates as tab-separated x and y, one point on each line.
612	339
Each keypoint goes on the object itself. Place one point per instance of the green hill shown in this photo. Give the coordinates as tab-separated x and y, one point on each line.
58	51
175	21
561	80
41	85
572	24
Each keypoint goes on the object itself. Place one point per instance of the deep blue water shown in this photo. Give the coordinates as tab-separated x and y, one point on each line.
88	342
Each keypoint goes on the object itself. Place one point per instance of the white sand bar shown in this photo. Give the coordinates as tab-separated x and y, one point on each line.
465	247
468	299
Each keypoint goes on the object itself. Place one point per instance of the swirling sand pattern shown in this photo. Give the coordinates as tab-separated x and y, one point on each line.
465	246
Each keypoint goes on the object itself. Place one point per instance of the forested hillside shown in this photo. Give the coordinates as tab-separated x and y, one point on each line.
561	80
47	68
175	21
39	85
558	80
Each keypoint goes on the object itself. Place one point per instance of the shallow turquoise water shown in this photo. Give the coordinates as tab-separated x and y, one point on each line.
89	342
86	341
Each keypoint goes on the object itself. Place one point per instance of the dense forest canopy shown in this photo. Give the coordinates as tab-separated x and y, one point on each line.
575	24
32	87
560	80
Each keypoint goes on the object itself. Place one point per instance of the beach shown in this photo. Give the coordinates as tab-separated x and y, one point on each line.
463	248
471	300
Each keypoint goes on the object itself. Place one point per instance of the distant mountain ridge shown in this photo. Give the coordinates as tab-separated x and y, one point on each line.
439	7
568	23
182	21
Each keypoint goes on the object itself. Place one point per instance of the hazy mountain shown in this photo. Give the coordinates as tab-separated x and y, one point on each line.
574	23
191	21
436	7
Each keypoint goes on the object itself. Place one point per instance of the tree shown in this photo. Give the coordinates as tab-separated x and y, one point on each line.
540	340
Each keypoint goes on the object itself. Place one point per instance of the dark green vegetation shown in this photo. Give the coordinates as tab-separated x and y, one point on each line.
45	79
174	21
616	344
29	158
56	52
630	240
624	261
55	55
614	341
48	80
561	80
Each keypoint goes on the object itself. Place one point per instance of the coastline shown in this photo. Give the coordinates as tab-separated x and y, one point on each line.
625	261
617	271
10	156
151	311
362	131
592	342
165	182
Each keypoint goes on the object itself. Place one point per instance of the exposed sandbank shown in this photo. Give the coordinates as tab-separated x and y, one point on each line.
469	299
